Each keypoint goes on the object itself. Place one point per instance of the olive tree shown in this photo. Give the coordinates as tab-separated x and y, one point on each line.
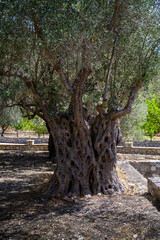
83	63
9	117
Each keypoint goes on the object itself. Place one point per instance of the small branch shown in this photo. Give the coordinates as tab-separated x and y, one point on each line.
57	65
4	84
10	105
36	67
134	90
37	29
152	47
65	81
84	57
101	108
30	86
109	70
117	7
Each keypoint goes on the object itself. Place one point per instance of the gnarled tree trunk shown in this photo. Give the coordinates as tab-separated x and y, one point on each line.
85	154
86	157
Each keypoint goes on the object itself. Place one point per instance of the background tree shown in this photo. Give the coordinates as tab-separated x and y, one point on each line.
36	124
77	59
9	117
15	93
131	125
152	124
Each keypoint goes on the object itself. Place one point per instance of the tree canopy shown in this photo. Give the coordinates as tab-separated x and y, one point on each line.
47	42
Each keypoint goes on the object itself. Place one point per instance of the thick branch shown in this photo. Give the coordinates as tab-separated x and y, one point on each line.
31	110
80	80
134	90
78	90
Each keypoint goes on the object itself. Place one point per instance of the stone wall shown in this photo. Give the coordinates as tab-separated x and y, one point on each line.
154	187
147	144
29	146
42	144
23	134
148	168
22	140
139	150
144	144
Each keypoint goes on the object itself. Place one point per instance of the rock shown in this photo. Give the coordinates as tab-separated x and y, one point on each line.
88	196
99	194
154	187
67	199
131	185
135	236
76	201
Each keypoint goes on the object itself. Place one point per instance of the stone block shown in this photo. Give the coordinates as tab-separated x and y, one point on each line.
154	187
129	144
153	168
30	142
25	147
155	175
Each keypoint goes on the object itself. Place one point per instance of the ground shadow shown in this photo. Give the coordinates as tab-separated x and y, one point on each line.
25	213
155	202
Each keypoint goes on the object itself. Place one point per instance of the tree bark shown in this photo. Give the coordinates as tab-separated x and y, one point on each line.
4	128
86	158
51	149
51	146
106	136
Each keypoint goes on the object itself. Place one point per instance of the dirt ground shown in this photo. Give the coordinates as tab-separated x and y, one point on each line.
26	214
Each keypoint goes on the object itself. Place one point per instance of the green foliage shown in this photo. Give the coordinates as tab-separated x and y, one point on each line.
152	124
36	124
39	125
9	117
64	26
132	123
25	124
